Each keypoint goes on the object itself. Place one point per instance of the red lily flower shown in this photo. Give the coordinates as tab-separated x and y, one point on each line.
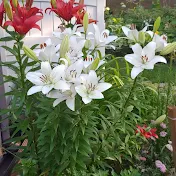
148	134
2	10
65	10
25	19
80	15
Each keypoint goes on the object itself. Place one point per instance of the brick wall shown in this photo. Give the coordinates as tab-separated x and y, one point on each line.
115	4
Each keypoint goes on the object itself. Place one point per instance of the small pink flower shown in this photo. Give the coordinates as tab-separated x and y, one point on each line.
163	125
160	166
142	158
163	134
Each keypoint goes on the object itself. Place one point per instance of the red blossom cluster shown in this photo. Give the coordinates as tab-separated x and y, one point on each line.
70	9
147	133
22	18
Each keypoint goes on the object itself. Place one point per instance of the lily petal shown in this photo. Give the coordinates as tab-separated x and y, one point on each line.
34	90
96	95
149	50
71	103
135	71
137	49
134	59
59	100
47	88
35	78
62	85
103	87
46	68
125	30
81	90
86	100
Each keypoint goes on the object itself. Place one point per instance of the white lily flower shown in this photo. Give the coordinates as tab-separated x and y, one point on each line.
48	52
133	34
47	79
67	31
161	41
75	51
88	63
102	39
68	95
73	72
91	88
143	58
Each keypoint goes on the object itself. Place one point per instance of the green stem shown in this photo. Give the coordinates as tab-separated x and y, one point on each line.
20	65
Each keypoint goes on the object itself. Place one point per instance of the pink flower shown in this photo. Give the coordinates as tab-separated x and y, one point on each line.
163	125
160	166
142	158
163	134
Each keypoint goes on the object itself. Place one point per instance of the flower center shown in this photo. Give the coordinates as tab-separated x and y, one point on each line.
105	35
91	87
89	59
42	46
144	59
73	73
45	79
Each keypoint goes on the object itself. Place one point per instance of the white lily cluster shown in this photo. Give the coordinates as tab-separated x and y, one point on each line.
69	69
145	52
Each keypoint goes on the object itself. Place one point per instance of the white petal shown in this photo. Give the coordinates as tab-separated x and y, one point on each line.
144	29
93	77
57	101
43	57
133	35
110	39
149	50
86	100
81	90
137	49
47	88
135	71
57	73
46	68
134	59
125	30
103	86
35	78
62	85
55	94
156	59
48	42
34	90
71	103
96	95
150	33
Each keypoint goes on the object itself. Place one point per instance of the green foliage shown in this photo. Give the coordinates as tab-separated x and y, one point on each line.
130	172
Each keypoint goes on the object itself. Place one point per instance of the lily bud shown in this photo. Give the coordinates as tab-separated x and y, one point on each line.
8	10
88	44
160	119
53	3
157	24
95	64
30	53
169	49
142	37
85	22
15	3
64	46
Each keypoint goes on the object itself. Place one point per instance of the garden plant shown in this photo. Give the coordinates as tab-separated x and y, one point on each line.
80	111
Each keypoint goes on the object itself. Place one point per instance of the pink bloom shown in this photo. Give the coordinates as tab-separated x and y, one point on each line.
160	166
142	158
163	125
163	134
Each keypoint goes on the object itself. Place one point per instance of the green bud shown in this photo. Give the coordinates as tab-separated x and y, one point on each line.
157	24
8	10
64	46
95	64
169	49
15	3
30	53
142	37
160	119
88	44
85	22
53	3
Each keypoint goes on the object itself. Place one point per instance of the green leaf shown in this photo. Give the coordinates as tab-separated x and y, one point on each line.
10	50
6	39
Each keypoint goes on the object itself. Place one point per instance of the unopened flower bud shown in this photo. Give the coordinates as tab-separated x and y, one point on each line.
85	22
53	3
142	37
157	24
30	53
15	3
169	49
64	46
8	9
95	64
160	119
